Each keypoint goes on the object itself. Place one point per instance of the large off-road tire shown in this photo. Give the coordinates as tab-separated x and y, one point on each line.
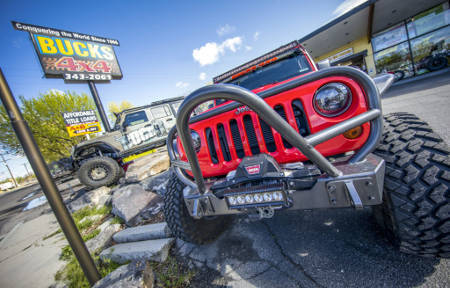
99	171
182	225
416	208
436	63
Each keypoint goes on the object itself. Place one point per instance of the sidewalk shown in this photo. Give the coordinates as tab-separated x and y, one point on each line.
27	257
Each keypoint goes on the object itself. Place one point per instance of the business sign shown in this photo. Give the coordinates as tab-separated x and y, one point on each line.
341	55
81	122
73	56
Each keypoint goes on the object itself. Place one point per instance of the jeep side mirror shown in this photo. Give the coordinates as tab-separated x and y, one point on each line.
323	64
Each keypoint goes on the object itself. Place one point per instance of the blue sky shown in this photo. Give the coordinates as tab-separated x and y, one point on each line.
167	48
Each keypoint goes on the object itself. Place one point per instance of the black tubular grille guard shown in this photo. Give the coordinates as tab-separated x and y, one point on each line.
256	103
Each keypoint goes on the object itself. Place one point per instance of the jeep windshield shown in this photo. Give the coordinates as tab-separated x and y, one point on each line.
284	69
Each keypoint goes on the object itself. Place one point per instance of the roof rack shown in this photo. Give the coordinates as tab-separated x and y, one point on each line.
154	104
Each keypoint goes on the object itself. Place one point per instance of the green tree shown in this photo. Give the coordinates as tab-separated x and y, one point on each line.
115	108
44	117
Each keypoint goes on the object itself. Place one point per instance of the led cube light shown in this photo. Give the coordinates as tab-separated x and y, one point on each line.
267	197
258	198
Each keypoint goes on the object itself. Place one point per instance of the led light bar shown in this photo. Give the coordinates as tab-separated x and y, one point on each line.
256	199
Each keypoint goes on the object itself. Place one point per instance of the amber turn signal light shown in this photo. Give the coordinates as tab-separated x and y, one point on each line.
353	133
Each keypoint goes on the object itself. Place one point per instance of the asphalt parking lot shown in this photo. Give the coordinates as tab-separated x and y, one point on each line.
329	248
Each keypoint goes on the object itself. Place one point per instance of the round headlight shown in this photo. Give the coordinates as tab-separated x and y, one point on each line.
196	141
332	99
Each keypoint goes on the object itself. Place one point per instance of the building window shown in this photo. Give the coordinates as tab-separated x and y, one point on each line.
430	50
395	59
389	37
429	20
423	40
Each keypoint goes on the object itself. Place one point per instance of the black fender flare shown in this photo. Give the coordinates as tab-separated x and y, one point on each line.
100	145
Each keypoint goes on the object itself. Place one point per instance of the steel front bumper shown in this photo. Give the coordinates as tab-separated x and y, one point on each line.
361	184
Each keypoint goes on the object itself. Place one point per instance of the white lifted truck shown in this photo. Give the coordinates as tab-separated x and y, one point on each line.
99	161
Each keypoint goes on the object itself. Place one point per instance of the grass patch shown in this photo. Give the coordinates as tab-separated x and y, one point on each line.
117	220
90	211
170	274
91	235
73	275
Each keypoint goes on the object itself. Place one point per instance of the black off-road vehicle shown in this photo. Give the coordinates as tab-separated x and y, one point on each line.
305	139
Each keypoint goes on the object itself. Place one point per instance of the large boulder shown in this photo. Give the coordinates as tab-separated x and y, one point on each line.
142	233
147	166
154	250
129	201
157	183
125	276
107	230
100	196
97	197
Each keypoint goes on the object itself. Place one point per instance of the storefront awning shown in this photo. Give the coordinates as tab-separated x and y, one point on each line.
363	21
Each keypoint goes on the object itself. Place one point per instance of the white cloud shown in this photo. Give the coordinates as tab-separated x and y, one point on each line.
207	54
181	84
202	76
248	48
210	52
346	6
233	44
256	36
226	29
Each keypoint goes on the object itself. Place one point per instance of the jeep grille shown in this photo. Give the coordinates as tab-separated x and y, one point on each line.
248	136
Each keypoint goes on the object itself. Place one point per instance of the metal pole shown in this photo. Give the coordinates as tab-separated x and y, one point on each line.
99	105
40	169
9	170
26	168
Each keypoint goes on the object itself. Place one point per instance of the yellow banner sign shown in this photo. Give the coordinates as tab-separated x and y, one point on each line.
83	129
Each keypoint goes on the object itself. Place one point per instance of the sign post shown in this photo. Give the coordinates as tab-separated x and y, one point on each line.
99	105
75	57
49	188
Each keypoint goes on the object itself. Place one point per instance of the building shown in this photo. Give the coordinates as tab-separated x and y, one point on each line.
405	37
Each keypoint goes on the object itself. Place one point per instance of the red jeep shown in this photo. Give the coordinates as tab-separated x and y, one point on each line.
285	135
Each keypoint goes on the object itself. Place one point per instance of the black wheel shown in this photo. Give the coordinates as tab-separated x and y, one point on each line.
437	63
416	208
99	171
399	75
182	225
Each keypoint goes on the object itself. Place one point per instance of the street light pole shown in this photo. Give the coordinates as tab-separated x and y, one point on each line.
26	168
49	188
9	170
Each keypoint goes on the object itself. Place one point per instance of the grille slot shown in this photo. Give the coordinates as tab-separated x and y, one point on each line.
280	110
251	135
238	146
300	117
223	142
268	136
211	146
